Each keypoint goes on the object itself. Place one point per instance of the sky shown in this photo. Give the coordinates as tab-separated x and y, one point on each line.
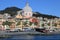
50	7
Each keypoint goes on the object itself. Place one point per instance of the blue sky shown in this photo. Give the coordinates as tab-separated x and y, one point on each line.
50	7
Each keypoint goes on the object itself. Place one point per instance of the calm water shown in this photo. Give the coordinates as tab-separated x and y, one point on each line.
32	37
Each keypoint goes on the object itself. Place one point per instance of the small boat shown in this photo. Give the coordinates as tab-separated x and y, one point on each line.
40	30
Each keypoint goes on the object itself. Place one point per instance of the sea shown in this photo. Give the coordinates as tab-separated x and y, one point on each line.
32	37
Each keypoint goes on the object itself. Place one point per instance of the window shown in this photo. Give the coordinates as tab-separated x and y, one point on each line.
26	14
29	13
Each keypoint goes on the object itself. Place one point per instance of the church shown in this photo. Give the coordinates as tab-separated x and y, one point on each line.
25	17
26	12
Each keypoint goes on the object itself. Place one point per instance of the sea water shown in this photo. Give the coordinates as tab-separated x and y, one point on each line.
33	37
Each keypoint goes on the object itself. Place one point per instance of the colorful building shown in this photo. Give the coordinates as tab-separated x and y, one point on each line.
25	18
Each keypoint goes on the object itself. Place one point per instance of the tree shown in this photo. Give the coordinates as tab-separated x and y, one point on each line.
35	23
48	24
42	25
18	23
25	23
30	23
55	24
7	23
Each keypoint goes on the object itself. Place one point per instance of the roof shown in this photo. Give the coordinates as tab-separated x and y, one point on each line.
27	8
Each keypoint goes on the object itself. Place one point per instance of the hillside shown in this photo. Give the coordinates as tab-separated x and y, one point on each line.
13	11
44	15
10	10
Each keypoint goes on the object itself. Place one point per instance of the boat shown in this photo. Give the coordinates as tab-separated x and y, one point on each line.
41	29
37	31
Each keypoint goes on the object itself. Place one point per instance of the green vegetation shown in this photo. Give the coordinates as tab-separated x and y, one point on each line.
48	24
13	11
7	23
42	25
10	10
55	25
24	23
35	23
30	23
18	23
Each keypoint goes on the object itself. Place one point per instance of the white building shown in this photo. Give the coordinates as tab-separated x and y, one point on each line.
27	11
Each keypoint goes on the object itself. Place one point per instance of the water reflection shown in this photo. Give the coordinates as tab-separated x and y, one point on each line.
32	37
19	37
26	37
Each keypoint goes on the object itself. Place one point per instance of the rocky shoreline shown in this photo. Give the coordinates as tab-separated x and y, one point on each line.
9	34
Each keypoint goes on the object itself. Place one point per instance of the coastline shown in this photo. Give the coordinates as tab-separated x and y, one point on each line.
10	34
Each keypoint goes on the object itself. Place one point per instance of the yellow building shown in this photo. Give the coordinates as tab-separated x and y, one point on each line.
19	15
58	23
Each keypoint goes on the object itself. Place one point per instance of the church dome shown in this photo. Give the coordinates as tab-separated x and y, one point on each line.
27	8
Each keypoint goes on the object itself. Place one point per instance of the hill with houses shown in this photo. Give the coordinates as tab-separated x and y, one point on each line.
13	11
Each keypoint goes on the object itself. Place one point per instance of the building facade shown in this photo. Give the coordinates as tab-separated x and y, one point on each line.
25	18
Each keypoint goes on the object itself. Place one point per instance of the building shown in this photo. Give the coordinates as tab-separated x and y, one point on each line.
27	11
25	18
28	20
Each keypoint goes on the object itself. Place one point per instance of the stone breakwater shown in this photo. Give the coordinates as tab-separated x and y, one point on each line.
17	33
9	34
